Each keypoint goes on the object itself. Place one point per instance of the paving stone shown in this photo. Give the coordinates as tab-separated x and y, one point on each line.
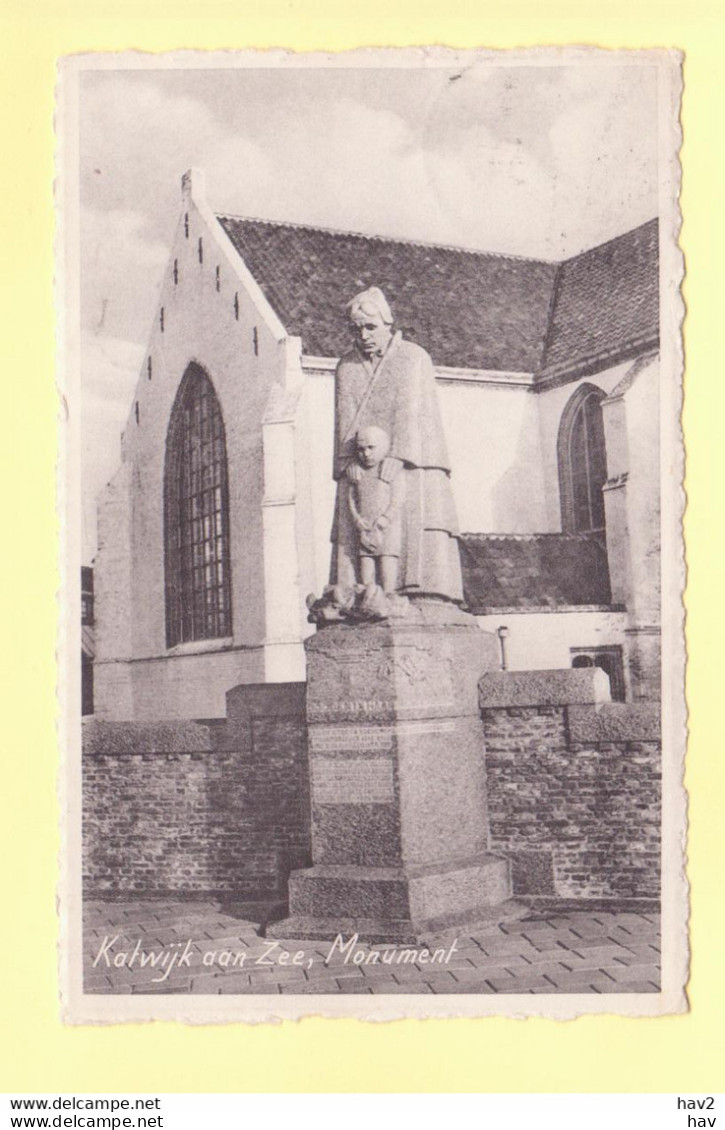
227	942
403	974
630	959
205	983
577	952
626	973
477	987
576	979
94	980
385	972
590	988
550	969
233	982
165	988
302	989
593	958
444	980
264	977
503	984
646	950
632	987
347	976
635	932
514	945
548	957
514	962
548	953
464	944
141	976
512	929
537	929
604	941
525	985
398	990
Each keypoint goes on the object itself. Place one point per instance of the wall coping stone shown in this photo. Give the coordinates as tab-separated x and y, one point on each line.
614	722
498	690
106	737
253	699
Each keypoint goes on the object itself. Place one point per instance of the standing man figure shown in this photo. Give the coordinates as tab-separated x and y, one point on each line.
389	383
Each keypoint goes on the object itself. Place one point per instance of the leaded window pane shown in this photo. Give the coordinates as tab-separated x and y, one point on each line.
198	603
586	472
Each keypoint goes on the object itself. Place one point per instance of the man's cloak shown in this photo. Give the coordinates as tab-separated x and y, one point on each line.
400	396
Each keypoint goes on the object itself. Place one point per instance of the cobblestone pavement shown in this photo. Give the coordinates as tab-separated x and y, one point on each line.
183	947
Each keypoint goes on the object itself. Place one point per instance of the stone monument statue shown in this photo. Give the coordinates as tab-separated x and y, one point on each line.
397	759
388	383
376	508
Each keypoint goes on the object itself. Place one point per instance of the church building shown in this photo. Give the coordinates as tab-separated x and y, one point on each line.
216	526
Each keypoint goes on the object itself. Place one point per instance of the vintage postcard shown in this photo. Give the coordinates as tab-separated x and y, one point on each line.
373	645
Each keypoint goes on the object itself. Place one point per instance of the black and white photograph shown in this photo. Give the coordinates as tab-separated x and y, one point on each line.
373	502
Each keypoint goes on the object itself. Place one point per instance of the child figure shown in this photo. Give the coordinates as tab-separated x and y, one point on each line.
375	506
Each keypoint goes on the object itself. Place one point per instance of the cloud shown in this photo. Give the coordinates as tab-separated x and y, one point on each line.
136	141
554	159
122	265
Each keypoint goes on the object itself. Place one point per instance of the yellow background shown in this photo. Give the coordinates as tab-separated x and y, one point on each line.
681	1053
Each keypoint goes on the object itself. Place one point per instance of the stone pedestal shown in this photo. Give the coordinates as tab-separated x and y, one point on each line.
398	786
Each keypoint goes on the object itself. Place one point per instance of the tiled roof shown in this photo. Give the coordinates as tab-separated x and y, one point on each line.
606	304
533	571
469	309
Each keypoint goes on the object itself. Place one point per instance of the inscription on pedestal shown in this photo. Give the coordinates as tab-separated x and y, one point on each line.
350	740
352	781
427	726
350	708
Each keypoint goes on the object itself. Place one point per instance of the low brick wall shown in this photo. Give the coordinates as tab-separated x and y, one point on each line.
183	808
188	808
573	791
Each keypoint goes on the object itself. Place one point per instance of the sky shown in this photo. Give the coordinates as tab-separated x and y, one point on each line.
541	161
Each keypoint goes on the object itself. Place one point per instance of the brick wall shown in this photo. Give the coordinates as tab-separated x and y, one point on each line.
574	798
183	807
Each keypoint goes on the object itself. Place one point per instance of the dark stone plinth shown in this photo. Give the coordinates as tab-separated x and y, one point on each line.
398	784
113	738
499	690
615	722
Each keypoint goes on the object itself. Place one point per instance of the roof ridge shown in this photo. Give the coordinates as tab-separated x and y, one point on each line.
526	537
390	239
607	242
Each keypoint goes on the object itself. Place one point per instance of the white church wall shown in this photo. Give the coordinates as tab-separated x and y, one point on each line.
284	513
493	442
211	314
539	640
643	502
317	429
113	687
632	423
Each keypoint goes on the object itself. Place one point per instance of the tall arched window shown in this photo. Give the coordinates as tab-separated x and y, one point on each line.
196	515
582	462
